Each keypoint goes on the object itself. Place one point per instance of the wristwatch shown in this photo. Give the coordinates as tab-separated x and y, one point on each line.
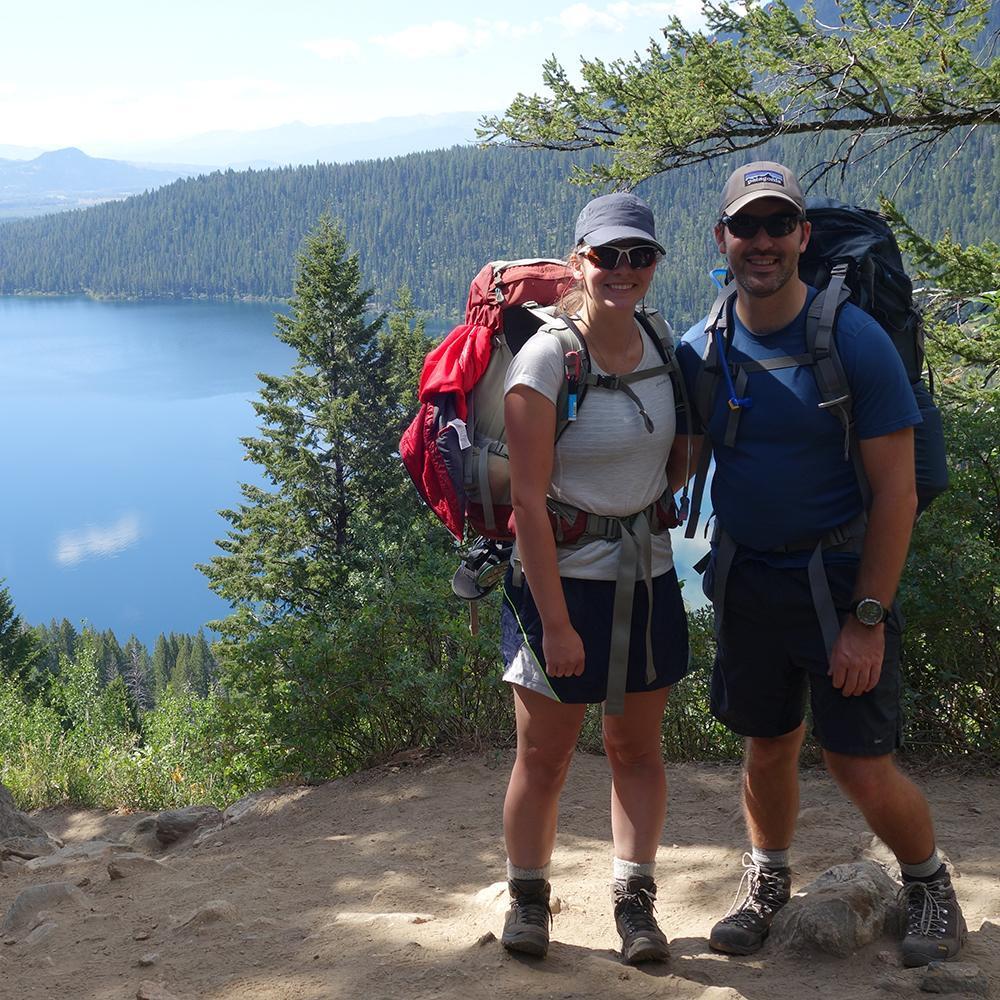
870	612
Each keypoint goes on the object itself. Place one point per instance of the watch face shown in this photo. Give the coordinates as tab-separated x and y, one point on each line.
869	611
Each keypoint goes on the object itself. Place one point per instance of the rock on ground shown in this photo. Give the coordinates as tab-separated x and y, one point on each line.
174	824
13	822
26	908
846	908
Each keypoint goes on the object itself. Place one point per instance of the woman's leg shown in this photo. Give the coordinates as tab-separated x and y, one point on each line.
638	807
547	732
639	783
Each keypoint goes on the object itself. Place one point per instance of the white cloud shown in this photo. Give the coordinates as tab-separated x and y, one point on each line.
582	17
334	48
73	547
438	39
626	10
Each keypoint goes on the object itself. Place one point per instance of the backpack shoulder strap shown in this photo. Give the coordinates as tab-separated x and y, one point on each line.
576	368
831	379
706	385
663	336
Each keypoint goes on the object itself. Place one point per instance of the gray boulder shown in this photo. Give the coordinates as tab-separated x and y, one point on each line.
141	835
955	977
83	853
175	824
125	865
13	822
27	848
25	912
846	908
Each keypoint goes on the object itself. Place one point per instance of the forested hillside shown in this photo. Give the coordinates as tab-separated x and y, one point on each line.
428	220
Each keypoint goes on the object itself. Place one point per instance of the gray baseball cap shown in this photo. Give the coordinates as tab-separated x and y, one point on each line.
761	179
618	216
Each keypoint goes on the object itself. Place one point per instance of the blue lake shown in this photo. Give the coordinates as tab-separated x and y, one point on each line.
121	425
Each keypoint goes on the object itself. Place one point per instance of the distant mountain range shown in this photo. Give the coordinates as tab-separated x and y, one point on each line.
35	183
68	178
294	144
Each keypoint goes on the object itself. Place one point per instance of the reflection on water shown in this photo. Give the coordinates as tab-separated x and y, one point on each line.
122	424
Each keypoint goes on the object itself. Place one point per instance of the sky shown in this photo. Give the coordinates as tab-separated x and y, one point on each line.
109	76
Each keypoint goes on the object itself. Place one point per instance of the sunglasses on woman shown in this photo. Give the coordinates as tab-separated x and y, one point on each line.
745	226
607	258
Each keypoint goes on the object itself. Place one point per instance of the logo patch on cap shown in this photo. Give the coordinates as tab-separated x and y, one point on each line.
763	177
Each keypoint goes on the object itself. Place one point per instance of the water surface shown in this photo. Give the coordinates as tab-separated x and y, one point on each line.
121	426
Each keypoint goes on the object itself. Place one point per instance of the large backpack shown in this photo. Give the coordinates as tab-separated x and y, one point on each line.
852	256
455	448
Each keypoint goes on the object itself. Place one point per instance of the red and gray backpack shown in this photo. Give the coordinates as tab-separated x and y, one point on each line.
455	449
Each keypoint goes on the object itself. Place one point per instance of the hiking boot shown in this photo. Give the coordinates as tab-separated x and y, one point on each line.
742	930
642	939
935	927
526	927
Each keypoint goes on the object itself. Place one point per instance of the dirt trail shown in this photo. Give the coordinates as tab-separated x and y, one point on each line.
385	884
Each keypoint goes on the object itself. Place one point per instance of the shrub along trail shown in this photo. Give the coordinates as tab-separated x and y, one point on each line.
388	884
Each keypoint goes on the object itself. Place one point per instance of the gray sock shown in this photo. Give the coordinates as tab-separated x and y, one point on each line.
622	870
924	870
769	859
513	872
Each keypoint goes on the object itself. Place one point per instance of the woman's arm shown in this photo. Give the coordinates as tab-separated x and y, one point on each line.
680	466
530	420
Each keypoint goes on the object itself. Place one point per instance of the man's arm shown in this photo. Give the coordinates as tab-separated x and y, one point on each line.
856	663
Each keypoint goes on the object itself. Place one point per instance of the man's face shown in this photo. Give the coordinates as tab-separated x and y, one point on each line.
763	264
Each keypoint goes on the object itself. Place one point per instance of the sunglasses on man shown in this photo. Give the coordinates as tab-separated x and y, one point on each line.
745	226
607	258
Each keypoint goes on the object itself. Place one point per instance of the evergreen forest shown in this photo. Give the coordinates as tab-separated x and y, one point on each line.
429	221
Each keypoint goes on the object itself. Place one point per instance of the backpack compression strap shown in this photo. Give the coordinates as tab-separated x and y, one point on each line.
821	322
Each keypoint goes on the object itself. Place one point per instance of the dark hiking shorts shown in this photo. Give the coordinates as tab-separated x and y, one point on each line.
591	606
772	649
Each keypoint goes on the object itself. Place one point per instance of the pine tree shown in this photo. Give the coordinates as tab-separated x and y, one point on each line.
19	647
161	666
324	446
137	673
298	561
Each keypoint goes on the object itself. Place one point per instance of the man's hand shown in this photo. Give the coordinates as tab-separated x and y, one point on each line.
563	651
856	663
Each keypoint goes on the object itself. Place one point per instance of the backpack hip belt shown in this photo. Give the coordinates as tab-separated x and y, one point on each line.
847	537
573	528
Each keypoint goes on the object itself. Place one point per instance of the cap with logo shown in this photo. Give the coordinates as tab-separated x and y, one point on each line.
762	179
612	217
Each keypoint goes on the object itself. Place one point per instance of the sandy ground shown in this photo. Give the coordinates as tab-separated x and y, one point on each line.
387	884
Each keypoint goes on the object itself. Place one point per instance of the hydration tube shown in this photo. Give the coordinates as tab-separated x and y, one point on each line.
718	275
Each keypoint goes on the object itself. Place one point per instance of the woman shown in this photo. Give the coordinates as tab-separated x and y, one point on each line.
559	624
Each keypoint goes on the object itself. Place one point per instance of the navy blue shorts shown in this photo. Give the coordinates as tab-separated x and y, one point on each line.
591	605
772	649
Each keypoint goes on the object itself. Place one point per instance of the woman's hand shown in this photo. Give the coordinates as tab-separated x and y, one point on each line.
563	651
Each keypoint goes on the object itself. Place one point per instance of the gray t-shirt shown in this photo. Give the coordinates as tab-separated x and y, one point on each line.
605	462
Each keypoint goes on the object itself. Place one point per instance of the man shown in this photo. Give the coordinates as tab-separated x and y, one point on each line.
790	529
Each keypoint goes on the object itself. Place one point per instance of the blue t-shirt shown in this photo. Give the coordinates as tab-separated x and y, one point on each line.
785	477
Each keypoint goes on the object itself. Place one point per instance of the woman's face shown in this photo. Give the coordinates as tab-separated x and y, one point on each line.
613	280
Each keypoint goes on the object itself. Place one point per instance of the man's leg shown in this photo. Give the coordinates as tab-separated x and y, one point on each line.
771	807
758	690
894	807
898	814
771	789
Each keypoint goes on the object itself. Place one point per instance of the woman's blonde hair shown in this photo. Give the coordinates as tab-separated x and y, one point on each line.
572	300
